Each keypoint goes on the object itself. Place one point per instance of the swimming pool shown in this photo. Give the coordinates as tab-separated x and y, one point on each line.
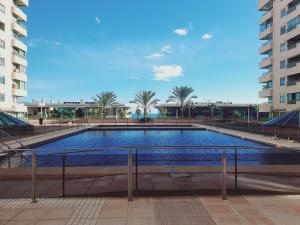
171	157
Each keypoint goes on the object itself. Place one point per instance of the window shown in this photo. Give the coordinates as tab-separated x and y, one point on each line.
270	99
282	64
2	79
298	96
282	81
2	97
2	44
283	12
2	8
292	24
283	47
2	62
282	99
283	30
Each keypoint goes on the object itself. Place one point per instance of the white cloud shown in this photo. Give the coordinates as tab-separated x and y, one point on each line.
158	55
166	49
97	19
155	56
184	31
167	72
181	31
207	36
134	78
57	43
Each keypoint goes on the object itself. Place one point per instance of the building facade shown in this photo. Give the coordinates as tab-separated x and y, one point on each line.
205	111
72	110
13	63
280	33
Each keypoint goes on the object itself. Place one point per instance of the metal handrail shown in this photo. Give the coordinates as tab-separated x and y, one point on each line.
65	151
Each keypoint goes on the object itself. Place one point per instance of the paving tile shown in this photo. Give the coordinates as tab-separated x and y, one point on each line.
22	222
219	209
52	222
141	221
114	207
58	213
31	214
228	220
111	221
7	214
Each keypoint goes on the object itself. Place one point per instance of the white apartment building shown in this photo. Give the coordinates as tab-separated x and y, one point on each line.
280	31
13	63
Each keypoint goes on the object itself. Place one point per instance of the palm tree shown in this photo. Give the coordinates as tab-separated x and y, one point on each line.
105	100
181	96
144	99
212	107
138	112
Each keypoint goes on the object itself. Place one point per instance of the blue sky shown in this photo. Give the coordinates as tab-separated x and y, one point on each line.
77	50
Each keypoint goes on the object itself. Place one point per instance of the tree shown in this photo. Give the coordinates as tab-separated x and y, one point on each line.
122	113
181	95
144	99
105	100
138	112
212	107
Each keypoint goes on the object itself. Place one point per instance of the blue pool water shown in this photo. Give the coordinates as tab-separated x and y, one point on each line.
96	139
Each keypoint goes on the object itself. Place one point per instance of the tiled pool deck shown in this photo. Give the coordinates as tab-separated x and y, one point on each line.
254	210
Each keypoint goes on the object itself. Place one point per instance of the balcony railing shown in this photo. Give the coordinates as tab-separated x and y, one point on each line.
292	9
290	65
19	54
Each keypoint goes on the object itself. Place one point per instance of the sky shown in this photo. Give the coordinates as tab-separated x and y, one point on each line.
80	48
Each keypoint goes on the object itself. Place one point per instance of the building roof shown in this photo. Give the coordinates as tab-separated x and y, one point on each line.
80	104
290	119
221	104
8	121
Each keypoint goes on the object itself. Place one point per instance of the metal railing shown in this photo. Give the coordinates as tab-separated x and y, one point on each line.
131	162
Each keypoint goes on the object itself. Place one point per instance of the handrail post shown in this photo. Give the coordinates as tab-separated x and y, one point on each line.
34	176
235	170
224	171
9	160
63	174
136	170
129	175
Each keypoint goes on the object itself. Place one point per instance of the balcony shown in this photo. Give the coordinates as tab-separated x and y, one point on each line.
19	29
19	59
292	33
266	77
18	107
19	76
266	47
19	92
264	5
18	13
19	44
266	16
266	93
23	3
265	107
293	88
265	33
292	12
286	2
266	62
292	69
293	50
